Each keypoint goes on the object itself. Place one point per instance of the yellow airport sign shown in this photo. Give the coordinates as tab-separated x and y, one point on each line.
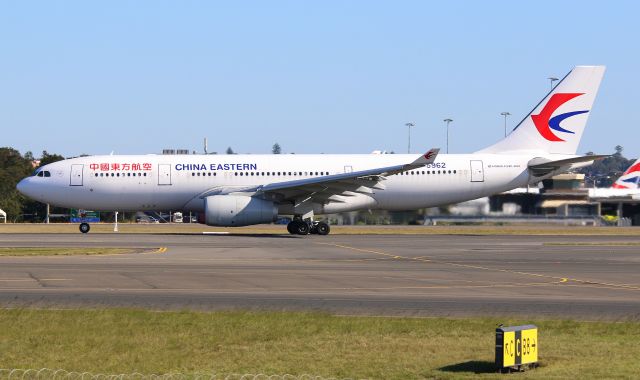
516	346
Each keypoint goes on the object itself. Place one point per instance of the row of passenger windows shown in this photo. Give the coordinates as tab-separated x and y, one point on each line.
123	175
418	172
258	174
262	174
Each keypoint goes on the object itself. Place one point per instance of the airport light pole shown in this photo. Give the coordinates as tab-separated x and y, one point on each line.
505	114
409	125
448	121
552	79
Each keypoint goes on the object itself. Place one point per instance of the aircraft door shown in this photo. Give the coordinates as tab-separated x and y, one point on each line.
348	169
477	171
76	175
164	174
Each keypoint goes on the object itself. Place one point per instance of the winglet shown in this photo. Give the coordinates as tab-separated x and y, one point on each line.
428	158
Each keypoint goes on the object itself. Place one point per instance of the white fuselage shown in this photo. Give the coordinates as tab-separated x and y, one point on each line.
614	193
179	182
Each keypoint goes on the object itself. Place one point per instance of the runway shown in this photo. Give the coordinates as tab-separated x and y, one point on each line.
593	277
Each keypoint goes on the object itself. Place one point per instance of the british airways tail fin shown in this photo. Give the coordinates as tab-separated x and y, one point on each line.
555	125
630	179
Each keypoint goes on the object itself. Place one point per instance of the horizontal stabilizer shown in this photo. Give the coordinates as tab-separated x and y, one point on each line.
541	166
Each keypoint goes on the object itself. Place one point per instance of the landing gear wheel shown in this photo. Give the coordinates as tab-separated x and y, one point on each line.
301	228
84	227
290	227
322	228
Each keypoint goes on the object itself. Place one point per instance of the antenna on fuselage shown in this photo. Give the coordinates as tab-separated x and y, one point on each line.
205	146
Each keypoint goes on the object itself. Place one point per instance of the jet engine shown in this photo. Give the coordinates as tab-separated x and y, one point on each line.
238	210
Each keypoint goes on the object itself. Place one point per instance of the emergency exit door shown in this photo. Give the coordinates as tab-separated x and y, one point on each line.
164	174
76	175
477	171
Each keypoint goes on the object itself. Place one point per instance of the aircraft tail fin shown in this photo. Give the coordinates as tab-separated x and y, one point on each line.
555	125
630	179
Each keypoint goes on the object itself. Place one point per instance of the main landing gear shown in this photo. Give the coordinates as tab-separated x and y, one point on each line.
302	227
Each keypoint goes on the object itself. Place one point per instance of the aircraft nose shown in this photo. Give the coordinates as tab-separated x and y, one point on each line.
23	186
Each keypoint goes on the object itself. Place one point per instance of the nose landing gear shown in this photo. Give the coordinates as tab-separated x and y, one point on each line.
301	227
84	227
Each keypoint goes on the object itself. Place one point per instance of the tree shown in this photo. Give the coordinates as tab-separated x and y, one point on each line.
13	168
605	172
276	149
230	151
49	158
618	149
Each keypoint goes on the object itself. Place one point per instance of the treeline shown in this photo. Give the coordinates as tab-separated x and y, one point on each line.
603	173
13	168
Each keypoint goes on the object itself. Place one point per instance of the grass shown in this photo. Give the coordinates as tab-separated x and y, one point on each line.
124	341
130	228
63	251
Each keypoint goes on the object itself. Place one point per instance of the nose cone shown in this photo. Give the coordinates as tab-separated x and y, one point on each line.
23	187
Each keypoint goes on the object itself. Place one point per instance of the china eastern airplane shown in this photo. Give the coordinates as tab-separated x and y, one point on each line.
628	185
240	190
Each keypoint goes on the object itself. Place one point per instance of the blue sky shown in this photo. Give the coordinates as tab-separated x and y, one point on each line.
316	76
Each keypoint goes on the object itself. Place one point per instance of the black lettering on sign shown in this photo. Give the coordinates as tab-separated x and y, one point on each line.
518	347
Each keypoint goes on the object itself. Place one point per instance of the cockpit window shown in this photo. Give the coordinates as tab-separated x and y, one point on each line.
42	173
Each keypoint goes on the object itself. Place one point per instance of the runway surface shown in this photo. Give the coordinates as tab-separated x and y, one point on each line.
593	277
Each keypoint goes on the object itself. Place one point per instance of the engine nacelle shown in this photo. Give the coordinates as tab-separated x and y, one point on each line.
238	210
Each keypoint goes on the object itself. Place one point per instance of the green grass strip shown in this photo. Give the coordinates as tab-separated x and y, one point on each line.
125	341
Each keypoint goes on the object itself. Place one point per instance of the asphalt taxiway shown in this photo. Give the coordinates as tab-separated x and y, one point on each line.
583	277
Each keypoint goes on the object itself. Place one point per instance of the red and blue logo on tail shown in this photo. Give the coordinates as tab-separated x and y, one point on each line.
545	123
630	179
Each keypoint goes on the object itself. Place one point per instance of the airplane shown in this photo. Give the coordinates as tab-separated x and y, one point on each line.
241	190
628	185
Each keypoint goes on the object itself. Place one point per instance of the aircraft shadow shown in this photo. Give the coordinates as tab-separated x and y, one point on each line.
276	236
473	366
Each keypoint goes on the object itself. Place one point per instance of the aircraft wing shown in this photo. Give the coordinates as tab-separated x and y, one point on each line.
540	167
323	187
